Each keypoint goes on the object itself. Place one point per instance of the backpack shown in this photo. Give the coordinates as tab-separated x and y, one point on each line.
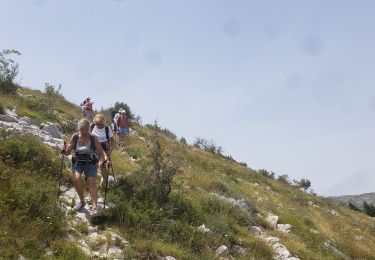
78	159
75	141
113	114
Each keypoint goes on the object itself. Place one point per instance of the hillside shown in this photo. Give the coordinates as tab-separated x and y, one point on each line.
357	200
216	207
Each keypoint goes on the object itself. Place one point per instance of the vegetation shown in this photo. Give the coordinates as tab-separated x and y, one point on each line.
118	105
8	72
163	197
155	127
29	214
209	146
369	209
2	109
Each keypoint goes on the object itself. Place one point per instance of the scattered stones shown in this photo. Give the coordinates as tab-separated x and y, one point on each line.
312	204
333	212
239	250
222	251
286	228
316	232
241	203
256	230
272	219
115	252
169	258
203	229
359	238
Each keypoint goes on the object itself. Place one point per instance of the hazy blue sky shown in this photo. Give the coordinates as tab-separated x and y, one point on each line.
283	85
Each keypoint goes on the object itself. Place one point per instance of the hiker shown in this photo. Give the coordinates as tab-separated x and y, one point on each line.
105	135
122	122
84	160
87	110
114	115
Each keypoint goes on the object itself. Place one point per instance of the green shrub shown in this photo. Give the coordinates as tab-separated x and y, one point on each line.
164	131
67	251
29	191
8	72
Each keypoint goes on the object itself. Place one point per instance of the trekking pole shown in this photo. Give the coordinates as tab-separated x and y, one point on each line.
62	168
106	189
114	177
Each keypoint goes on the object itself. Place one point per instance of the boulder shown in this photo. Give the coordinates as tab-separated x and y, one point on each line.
6	118
26	120
222	251
286	228
256	230
52	130
272	219
115	252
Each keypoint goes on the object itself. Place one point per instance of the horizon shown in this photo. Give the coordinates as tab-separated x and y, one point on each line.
282	86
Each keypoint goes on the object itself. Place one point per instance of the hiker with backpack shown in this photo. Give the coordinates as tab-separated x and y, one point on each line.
122	122
114	115
85	147
88	109
105	135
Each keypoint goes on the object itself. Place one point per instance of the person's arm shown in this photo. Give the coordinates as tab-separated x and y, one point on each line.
127	122
69	148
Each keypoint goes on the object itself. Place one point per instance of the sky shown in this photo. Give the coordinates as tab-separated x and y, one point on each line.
287	86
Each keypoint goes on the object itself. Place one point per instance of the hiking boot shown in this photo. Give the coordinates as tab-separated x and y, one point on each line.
79	205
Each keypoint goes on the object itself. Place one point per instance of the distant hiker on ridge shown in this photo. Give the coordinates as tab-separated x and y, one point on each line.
84	160
122	122
88	110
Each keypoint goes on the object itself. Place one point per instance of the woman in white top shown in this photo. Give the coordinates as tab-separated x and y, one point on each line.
105	135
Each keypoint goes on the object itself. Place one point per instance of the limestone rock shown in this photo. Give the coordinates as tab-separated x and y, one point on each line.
272	219
286	228
222	251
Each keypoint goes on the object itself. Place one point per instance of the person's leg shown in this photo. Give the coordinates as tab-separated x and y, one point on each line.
77	181
91	182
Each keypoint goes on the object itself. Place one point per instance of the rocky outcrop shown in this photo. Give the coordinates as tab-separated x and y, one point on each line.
49	133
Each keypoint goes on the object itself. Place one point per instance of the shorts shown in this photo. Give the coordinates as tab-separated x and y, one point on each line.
122	130
89	169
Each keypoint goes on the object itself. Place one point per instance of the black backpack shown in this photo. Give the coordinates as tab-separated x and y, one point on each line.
75	141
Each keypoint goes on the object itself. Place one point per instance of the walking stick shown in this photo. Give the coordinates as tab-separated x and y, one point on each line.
62	168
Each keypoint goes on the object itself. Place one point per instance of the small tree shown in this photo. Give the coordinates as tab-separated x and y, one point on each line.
8	72
118	105
209	146
283	178
369	209
266	173
304	184
183	141
51	91
353	207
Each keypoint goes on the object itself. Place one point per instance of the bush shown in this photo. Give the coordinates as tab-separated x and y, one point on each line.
304	184
267	174
283	178
209	146
369	209
183	141
164	131
51	91
29	191
8	72
154	181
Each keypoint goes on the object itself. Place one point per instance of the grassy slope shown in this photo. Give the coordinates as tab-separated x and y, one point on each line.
204	172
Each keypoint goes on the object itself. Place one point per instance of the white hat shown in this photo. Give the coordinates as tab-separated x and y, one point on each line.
121	110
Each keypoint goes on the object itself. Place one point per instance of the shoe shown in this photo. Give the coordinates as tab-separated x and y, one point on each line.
79	205
95	211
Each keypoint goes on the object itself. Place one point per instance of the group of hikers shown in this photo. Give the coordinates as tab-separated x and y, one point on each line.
91	148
